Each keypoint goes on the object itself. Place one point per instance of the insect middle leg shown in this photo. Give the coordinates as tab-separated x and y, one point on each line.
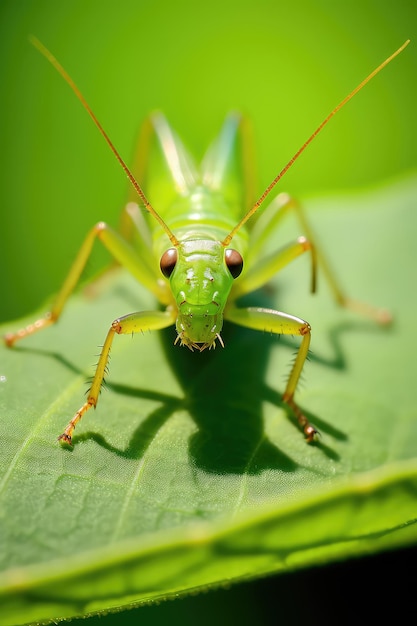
126	325
121	251
268	223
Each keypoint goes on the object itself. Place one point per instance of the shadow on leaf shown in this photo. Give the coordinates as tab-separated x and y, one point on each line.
224	392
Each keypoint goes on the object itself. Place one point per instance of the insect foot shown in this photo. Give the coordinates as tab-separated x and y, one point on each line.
310	432
11	338
66	437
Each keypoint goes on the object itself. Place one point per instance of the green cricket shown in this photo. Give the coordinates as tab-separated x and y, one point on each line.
199	253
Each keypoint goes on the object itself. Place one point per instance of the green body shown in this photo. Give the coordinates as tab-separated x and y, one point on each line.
200	207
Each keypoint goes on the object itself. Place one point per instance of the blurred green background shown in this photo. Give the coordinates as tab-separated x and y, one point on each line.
284	66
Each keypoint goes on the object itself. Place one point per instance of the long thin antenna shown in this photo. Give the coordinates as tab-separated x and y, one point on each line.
50	57
270	187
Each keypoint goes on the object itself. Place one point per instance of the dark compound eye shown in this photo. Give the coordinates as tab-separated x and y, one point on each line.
234	262
168	262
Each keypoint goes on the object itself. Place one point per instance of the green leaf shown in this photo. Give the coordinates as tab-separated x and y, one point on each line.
189	473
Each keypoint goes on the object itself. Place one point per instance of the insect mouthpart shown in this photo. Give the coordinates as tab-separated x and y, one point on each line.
184	341
199	326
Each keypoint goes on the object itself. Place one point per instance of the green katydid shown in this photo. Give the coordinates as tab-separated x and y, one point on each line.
184	255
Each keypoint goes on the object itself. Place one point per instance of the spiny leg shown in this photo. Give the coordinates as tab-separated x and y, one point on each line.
124	254
276	322
126	325
267	225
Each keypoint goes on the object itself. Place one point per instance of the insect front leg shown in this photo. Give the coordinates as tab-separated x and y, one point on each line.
276	322
126	325
122	252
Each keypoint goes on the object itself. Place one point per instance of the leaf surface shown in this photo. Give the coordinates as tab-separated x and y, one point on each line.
190	473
